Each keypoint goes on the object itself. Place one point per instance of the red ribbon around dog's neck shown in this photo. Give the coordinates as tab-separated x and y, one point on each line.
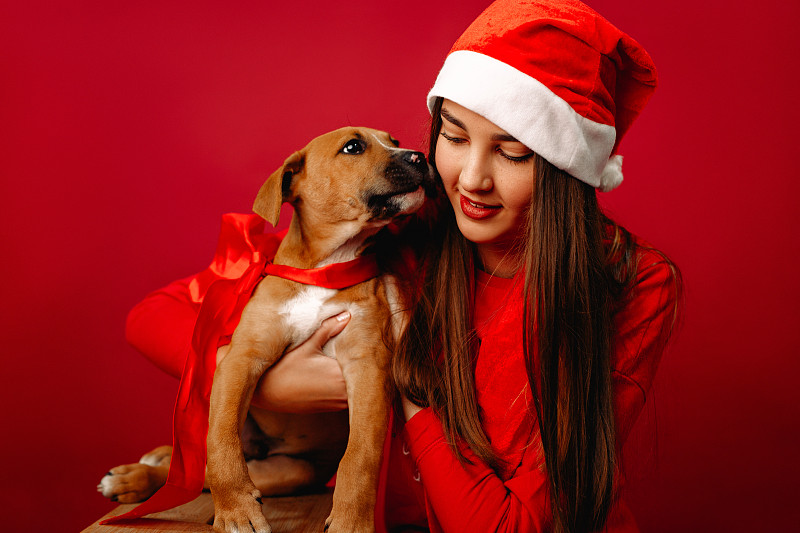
220	313
334	276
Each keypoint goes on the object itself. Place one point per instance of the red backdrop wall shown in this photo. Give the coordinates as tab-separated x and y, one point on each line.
126	129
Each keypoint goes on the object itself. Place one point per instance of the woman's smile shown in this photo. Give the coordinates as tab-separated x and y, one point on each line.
477	210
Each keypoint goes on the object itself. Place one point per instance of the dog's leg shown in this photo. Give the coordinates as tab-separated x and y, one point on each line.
138	481
237	501
366	377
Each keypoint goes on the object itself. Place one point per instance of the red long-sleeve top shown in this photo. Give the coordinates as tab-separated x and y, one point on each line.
423	483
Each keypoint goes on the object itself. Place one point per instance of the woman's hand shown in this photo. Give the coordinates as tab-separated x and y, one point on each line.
304	380
410	408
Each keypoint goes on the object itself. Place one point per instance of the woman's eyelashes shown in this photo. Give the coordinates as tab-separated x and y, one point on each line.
455	139
452	138
515	158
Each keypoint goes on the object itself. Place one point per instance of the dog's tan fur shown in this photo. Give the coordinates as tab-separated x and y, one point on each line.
340	200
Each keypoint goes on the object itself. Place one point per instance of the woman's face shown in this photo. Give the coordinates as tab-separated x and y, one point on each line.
488	176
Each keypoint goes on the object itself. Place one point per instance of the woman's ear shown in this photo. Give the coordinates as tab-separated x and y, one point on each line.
278	189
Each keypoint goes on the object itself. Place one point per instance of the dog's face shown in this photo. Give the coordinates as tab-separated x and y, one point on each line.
356	175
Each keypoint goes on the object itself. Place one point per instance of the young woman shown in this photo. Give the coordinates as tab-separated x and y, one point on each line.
536	324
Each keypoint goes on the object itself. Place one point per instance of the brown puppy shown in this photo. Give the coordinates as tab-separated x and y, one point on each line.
345	186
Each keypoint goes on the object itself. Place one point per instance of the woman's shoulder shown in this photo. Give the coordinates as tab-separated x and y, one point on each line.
638	266
653	272
647	309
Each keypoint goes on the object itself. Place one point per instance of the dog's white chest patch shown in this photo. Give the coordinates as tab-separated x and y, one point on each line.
305	312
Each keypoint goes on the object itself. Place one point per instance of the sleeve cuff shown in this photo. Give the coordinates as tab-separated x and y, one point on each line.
423	432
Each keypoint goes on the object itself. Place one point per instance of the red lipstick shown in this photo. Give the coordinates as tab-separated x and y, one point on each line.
477	210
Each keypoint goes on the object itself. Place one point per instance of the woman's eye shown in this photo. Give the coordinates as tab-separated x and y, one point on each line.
514	158
452	139
354	147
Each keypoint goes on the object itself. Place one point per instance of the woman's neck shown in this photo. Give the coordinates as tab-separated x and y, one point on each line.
497	261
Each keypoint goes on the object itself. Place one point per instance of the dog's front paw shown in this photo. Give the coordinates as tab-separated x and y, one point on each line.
350	522
132	483
240	513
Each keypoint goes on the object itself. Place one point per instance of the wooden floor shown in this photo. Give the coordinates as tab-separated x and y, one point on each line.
290	514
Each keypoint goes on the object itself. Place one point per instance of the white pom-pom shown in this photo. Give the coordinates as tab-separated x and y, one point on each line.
612	174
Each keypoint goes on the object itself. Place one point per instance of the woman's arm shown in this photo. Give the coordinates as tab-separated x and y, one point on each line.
471	497
160	326
643	327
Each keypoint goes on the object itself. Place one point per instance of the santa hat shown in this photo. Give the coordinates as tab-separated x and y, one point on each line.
555	75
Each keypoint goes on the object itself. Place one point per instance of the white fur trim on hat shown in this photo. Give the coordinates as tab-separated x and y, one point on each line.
532	113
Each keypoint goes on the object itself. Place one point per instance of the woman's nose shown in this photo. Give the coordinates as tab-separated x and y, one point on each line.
476	173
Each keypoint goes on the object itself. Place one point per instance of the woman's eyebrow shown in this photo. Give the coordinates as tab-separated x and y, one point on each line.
504	137
453	120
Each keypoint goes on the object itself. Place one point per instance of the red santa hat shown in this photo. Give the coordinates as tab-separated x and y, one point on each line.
555	75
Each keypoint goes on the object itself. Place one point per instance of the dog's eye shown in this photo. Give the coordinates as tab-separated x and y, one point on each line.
354	147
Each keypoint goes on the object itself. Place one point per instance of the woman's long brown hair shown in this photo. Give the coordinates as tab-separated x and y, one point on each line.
572	283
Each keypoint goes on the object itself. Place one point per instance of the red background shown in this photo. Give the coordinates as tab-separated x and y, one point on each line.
126	129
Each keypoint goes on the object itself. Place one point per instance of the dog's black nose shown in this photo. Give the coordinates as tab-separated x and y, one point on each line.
416	159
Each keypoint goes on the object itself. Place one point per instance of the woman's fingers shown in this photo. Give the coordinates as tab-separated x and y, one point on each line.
329	328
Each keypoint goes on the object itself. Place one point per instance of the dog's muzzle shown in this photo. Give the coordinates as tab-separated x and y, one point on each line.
407	176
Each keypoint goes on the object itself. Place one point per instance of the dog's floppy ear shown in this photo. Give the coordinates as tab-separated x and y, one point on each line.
278	189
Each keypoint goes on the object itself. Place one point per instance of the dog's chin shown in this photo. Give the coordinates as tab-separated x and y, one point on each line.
385	207
409	202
